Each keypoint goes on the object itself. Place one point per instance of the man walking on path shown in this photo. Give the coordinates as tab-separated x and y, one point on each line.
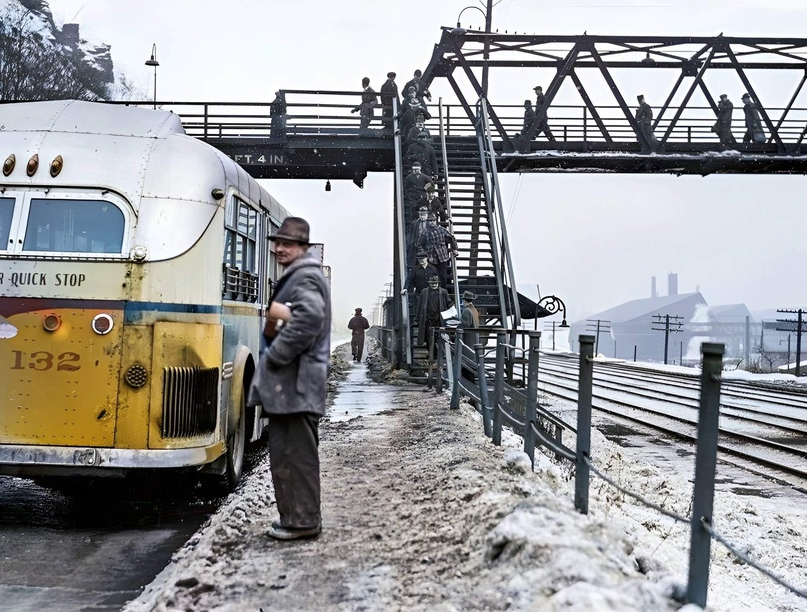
358	324
290	383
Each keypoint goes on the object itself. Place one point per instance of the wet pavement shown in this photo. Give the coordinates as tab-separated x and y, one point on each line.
358	396
94	549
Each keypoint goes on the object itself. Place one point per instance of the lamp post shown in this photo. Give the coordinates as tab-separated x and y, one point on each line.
152	61
550	305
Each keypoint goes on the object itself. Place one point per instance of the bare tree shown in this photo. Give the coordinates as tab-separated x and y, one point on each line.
126	89
33	67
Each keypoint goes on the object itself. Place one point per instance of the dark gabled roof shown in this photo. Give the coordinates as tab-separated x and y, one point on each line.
644	307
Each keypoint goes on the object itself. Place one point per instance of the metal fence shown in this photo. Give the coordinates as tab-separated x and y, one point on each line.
514	402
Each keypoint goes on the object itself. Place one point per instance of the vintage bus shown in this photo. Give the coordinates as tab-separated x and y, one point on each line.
134	273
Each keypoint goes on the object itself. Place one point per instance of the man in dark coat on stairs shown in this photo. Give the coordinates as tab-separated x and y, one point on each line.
433	301
419	275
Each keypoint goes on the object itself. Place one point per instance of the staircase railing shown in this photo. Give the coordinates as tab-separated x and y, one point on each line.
485	153
447	202
496	220
404	332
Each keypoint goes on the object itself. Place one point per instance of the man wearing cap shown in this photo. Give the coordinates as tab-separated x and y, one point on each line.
389	92
290	383
415	131
411	107
416	228
753	123
644	119
543	120
420	86
433	300
414	185
436	241
422	151
469	318
722	126
418	278
433	203
358	325
368	102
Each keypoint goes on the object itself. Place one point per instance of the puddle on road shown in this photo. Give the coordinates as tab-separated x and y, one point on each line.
358	396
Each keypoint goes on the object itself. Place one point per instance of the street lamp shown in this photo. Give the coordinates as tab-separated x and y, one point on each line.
465	9
152	61
550	305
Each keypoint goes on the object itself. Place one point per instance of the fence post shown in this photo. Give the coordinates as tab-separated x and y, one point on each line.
455	391
498	389
705	462
440	362
532	395
584	391
482	383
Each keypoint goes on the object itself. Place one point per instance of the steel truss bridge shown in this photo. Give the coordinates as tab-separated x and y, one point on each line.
588	82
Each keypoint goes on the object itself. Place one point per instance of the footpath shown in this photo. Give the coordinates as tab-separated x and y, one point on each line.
420	512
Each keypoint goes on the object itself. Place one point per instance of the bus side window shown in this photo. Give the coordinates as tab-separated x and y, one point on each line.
240	251
6	212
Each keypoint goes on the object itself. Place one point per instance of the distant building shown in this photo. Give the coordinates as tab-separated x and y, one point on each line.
630	328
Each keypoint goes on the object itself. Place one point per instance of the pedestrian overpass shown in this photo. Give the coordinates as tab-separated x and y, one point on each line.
585	105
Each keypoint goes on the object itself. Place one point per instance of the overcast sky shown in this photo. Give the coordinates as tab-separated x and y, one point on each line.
593	240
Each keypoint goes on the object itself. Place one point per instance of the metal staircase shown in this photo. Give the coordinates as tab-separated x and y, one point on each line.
483	264
468	186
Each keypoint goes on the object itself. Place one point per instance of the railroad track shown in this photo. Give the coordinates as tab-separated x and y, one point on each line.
762	425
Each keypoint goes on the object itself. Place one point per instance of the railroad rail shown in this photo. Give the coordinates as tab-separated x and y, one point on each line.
764	427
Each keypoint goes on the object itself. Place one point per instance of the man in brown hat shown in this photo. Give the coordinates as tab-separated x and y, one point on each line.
290	383
389	92
358	325
469	318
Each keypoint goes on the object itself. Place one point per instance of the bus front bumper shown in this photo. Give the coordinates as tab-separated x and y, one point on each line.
20	460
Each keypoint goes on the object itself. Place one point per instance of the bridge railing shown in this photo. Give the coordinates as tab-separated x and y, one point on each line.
326	112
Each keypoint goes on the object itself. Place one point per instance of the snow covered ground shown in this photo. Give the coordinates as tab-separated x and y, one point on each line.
421	511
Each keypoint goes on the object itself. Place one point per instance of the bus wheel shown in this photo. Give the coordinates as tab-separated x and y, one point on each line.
236	441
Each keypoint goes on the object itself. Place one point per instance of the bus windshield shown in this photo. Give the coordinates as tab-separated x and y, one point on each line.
6	212
74	226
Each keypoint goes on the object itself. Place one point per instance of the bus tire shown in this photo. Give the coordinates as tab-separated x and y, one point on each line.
234	456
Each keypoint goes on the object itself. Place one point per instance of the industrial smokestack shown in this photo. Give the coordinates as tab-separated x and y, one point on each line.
672	284
653	292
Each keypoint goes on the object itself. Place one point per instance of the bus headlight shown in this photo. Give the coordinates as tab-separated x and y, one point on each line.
136	376
102	324
51	322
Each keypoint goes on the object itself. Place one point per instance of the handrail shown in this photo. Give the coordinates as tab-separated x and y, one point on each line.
487	158
505	244
406	349
329	109
447	198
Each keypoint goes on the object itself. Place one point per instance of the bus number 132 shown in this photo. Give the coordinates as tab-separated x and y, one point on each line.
42	360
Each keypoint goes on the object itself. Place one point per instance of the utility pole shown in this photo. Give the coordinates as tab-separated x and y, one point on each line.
796	326
546	328
597	325
671	323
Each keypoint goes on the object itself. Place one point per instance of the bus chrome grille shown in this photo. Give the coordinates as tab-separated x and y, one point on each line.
190	401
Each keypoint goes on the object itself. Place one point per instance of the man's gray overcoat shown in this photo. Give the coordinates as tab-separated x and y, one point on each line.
292	372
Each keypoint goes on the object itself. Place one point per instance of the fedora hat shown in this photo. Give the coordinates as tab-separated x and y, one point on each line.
469	296
294	229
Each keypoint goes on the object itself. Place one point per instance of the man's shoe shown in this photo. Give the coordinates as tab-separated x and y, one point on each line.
278	532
